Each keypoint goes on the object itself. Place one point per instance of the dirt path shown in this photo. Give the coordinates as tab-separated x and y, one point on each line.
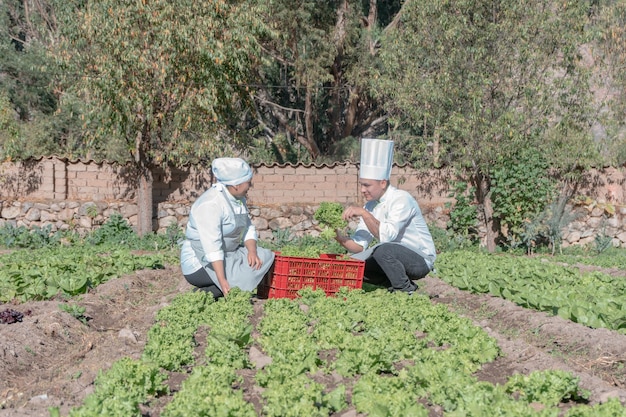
51	358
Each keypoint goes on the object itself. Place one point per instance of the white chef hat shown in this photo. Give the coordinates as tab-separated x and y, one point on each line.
231	171
376	159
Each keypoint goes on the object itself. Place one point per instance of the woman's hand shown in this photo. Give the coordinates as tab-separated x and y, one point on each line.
225	287
254	261
218	267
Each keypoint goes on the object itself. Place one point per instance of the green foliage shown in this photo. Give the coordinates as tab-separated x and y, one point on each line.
32	122
170	342
612	257
546	387
592	299
601	241
546	227
610	36
210	389
447	240
461	93
116	230
120	390
463	216
281	237
368	336
23	237
520	190
311	64
208	392
150	92
173	234
611	408
329	215
9	129
76	311
306	246
43	273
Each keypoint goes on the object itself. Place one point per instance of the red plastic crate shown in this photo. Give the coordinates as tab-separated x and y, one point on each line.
289	274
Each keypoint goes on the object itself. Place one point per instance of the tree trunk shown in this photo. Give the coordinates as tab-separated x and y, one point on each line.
483	197
339	37
308	139
436	142
144	201
145	180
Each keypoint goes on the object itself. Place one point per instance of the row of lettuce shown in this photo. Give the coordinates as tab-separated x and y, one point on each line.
379	353
59	271
593	299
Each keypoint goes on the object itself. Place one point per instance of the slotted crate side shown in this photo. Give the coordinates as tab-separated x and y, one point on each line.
290	274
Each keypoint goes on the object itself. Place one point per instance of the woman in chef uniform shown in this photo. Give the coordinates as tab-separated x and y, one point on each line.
220	250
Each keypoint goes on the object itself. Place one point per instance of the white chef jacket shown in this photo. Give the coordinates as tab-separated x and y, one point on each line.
210	217
401	221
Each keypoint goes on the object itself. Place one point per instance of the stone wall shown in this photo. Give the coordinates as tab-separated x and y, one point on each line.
78	195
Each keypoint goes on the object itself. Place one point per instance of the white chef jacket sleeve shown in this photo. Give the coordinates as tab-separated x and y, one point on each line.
208	217
362	235
399	212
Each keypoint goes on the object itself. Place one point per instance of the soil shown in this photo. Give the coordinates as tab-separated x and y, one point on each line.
50	358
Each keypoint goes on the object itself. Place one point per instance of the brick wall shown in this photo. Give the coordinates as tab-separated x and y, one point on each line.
81	195
57	179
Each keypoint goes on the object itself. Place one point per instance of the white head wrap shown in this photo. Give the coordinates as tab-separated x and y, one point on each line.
376	159
231	171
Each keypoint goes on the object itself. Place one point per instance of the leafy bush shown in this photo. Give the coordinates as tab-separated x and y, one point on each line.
463	215
520	189
21	237
447	240
115	230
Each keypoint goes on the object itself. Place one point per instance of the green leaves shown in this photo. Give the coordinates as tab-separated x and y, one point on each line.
470	86
160	73
120	390
591	299
415	352
43	273
328	214
546	387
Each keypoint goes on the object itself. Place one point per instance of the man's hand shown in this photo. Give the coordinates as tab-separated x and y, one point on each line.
340	237
346	242
353	211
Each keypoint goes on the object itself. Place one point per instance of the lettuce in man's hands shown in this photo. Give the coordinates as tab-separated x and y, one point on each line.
328	215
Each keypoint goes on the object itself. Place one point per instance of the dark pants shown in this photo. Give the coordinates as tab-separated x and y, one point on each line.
202	281
395	266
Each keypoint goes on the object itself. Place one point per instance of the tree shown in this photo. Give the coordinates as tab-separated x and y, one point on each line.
161	78
28	32
477	82
310	91
610	20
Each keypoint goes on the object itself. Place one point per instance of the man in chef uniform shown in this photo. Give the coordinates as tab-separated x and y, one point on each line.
405	250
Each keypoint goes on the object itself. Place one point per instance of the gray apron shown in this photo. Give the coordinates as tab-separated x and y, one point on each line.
238	272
